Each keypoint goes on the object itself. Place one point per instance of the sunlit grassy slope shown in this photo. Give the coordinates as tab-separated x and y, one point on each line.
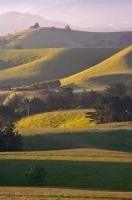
27	66
58	119
118	68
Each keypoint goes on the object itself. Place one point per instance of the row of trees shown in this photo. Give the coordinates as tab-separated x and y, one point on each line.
112	105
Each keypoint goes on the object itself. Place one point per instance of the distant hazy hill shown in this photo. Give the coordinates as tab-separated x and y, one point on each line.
27	66
61	38
15	21
118	68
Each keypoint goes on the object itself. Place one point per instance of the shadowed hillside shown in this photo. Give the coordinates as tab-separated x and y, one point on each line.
28	66
118	68
62	38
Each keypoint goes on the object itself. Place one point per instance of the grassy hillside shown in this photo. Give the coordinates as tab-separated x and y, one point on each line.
27	66
60	119
61	38
118	68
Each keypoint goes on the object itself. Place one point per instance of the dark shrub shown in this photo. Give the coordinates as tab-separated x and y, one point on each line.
10	140
35	175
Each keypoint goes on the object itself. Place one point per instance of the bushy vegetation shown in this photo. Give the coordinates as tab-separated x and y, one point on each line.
35	175
10	140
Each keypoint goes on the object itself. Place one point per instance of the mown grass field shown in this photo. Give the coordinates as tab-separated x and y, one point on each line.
60	194
116	69
79	168
18	67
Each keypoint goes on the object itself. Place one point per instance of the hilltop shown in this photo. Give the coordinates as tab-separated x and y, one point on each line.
16	21
117	68
18	67
63	38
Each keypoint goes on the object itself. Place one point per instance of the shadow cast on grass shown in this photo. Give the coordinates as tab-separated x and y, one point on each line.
73	174
112	140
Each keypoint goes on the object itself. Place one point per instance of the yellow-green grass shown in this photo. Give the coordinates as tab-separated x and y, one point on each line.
82	154
14	193
118	68
19	67
72	129
63	121
57	120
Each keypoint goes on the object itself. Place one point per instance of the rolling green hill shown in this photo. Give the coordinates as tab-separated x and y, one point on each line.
118	68
18	67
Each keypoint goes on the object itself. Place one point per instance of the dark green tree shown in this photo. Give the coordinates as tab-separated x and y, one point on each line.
118	90
10	140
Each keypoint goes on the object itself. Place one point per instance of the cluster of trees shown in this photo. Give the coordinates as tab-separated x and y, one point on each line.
115	105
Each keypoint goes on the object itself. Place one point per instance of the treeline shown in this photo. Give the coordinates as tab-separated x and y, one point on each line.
112	105
53	84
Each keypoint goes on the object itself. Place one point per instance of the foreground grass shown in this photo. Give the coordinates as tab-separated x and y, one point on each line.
96	158
60	194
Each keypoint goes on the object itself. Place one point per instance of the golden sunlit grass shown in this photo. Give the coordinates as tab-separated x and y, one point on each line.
60	194
59	119
118	68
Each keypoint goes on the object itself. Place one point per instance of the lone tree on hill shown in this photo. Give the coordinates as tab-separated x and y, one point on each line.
36	25
67	28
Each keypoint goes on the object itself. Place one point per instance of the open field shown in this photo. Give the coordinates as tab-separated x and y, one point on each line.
18	67
79	168
60	194
116	69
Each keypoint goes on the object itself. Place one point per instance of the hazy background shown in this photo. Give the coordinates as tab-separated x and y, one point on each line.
80	13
